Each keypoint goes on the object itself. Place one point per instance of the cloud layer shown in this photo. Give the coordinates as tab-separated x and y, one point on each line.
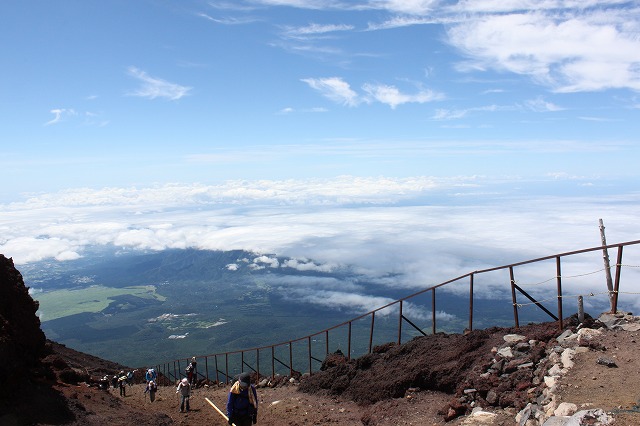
395	232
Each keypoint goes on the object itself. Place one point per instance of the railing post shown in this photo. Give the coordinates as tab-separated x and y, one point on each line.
471	302
349	342
217	372
258	362
559	278
617	281
373	320
400	325
326	340
206	367
290	359
433	311
273	363
309	346
513	297
226	367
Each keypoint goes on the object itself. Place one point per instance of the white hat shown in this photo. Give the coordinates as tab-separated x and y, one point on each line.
185	381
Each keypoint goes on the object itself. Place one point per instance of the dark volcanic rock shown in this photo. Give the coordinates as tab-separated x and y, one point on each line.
22	343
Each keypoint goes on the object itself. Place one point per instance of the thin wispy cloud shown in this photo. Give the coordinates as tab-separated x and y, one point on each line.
391	96
153	87
399	22
290	110
339	91
455	114
540	105
60	114
228	20
314	30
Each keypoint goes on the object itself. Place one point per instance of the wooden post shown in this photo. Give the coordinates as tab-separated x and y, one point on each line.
470	302
607	266
513	297
400	325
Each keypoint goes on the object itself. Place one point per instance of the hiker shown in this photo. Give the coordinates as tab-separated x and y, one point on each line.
122	382
185	392
151	375
192	373
104	383
130	377
152	388
242	405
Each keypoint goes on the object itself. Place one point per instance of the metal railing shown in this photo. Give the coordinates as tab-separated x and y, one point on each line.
221	367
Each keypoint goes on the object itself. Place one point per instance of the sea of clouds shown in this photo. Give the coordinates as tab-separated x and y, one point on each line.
407	233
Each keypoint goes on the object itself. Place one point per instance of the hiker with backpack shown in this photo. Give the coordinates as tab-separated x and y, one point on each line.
151	375
192	372
242	404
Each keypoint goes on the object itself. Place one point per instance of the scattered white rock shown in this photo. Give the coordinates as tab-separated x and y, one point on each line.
505	352
565	409
513	338
567	358
478	418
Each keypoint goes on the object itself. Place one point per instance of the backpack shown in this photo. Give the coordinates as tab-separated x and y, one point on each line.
189	368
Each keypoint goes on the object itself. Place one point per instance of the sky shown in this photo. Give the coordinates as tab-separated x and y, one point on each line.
422	136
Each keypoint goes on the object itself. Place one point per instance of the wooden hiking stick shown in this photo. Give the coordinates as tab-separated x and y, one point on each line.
218	410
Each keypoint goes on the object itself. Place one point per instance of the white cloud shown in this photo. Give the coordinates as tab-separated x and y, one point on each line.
60	114
449	114
588	48
335	89
315	29
228	20
391	96
540	105
340	91
153	87
411	7
454	114
399	22
271	262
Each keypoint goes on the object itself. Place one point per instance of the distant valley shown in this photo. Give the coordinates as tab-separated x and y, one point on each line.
144	308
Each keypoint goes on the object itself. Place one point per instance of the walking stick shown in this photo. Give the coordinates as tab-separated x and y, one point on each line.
218	410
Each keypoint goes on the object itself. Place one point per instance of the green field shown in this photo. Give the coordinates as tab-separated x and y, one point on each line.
62	303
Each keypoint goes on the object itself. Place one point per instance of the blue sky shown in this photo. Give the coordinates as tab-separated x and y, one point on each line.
130	93
319	128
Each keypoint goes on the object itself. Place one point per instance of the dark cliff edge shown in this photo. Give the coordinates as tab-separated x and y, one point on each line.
34	370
